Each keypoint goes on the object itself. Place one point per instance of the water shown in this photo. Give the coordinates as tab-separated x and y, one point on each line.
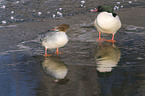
25	72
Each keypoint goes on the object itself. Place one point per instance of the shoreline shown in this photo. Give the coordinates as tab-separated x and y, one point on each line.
29	30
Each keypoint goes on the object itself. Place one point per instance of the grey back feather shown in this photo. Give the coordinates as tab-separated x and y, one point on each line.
44	35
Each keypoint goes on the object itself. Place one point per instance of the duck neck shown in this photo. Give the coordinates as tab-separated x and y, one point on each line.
56	30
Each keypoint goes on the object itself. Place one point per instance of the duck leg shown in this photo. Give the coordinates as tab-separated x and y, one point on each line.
112	40
46	53
100	39
58	52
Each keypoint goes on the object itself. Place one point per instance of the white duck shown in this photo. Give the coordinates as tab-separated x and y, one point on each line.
107	22
55	39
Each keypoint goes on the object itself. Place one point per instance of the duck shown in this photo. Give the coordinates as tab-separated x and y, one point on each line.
55	39
106	56
106	21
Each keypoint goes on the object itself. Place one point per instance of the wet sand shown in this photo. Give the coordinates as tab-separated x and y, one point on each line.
133	16
29	30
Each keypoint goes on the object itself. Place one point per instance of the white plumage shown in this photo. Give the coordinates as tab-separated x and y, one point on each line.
107	23
55	39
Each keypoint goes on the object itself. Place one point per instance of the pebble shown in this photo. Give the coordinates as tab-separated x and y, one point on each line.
130	2
39	13
12	12
118	2
12	17
17	2
53	15
4	22
83	2
59	13
116	7
60	9
3	7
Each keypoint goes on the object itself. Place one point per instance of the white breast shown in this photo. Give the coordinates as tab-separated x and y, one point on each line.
58	39
107	23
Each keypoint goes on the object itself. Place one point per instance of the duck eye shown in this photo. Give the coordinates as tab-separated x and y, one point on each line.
114	14
100	9
99	57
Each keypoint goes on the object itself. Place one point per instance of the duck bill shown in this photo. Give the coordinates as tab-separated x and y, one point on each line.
52	29
94	10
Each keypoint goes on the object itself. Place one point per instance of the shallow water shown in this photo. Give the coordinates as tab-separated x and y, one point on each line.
22	66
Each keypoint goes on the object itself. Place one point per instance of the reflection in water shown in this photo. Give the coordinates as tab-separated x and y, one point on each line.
82	79
53	66
106	56
18	72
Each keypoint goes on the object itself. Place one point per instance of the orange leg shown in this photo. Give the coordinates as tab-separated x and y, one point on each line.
46	55
100	39
58	52
112	40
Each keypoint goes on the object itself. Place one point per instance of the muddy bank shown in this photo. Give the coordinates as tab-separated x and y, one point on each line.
12	11
133	16
11	36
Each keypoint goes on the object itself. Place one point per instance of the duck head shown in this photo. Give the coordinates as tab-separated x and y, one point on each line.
104	8
62	27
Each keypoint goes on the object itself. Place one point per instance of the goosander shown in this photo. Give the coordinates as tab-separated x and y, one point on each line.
55	39
107	22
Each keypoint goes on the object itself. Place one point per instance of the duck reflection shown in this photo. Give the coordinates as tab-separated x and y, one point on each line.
107	56
55	67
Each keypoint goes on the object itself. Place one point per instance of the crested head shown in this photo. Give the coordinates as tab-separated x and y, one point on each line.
107	8
62	27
